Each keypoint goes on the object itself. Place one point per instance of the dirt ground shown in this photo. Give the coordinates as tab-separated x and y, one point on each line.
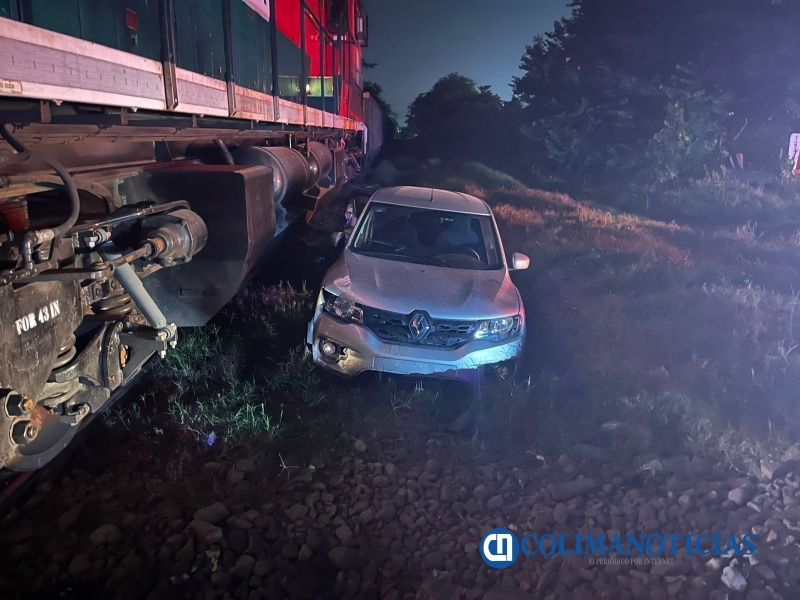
656	396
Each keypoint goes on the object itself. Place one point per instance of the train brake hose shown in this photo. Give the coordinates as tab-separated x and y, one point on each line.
35	238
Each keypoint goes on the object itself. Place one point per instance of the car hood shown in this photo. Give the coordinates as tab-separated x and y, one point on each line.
402	287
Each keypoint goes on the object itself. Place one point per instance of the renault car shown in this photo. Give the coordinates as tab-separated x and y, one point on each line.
421	288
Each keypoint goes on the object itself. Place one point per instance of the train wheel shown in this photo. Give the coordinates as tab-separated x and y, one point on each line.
32	437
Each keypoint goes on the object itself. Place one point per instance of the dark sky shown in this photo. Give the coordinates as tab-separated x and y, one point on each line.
415	42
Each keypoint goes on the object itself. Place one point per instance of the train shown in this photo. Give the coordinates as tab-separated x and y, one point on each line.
151	152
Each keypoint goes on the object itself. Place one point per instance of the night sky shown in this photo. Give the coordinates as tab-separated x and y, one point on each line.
415	42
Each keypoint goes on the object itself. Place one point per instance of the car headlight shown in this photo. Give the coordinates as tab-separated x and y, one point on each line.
498	329
343	308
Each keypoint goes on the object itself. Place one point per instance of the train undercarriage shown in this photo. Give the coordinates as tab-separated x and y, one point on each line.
116	229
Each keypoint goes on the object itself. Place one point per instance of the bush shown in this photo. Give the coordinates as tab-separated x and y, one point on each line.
490	179
720	198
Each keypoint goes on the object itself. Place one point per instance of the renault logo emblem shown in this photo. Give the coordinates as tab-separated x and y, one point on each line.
419	325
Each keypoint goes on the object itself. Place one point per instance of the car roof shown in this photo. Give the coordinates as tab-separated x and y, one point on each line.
420	197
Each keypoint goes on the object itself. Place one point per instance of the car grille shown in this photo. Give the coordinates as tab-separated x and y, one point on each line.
394	327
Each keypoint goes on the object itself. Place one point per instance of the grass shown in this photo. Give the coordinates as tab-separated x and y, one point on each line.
720	199
282	301
216	388
681	321
414	399
235	412
300	376
197	347
687	327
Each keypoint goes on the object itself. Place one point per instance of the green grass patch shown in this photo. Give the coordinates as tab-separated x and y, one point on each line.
234	412
234	382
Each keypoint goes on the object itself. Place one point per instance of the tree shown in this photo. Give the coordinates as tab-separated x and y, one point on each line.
455	118
623	85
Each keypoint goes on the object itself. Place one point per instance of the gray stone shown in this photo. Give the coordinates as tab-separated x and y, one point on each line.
79	566
290	550
261	568
345	535
792	452
495	502
480	492
432	466
506	594
447	494
255	541
561	513
386	514
434	560
733	580
759	595
548	579
244	566
380	481
206	532
186	553
343	558
220	579
367	516
765	572
305	552
666	569
352	583
359	445
740	495
131	561
296	511
570	489
69	517
237	538
212	514
105	534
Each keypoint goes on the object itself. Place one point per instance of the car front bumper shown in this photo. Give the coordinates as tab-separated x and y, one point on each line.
363	351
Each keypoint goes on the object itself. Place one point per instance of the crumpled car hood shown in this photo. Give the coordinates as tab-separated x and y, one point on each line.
402	287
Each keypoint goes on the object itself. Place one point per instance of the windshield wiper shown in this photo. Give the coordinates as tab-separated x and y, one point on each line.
403	251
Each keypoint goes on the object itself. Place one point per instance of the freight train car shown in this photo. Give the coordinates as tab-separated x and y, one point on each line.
151	151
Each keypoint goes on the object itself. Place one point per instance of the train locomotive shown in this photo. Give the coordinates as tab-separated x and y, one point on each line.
151	151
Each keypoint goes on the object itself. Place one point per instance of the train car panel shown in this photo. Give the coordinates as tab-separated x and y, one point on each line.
201	95
84	63
127	25
252	48
255	105
9	9
46	65
200	37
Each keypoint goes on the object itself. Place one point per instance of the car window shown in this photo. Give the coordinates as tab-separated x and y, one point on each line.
446	238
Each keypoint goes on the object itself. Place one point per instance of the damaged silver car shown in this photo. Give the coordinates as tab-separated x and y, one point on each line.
422	288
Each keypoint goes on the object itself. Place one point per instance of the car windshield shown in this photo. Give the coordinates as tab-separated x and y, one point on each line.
427	236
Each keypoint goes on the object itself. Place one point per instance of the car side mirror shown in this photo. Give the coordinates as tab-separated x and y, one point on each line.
337	239
519	262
